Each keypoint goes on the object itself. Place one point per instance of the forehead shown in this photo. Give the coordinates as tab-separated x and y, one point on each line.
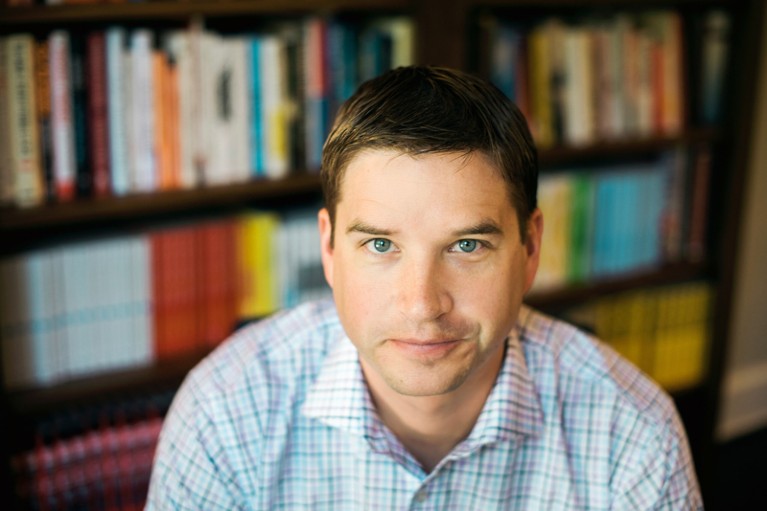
451	185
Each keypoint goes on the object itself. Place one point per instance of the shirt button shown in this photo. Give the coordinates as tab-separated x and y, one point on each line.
421	495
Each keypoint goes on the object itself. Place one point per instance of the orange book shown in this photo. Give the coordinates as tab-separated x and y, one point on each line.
160	120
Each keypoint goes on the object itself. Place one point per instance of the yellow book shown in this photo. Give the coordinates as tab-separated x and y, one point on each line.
540	90
255	247
683	334
555	199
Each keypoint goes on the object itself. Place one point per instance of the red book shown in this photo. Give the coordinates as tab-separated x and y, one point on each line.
218	280
97	113
175	292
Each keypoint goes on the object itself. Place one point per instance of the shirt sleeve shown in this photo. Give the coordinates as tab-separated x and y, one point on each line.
661	476
190	470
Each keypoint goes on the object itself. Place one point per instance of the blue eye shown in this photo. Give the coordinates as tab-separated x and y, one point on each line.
381	245
467	245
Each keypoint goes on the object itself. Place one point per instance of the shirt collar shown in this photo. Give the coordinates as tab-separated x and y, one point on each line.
339	397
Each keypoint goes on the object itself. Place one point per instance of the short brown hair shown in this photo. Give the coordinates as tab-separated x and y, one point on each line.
422	109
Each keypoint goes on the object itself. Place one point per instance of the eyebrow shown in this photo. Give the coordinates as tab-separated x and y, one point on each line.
362	227
486	227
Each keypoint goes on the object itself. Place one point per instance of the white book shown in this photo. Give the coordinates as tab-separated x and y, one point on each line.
23	303
400	30
204	61
274	106
217	109
578	111
117	275
239	51
144	178
73	330
142	341
98	306
62	130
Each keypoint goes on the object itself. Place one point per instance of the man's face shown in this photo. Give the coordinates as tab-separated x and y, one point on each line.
427	267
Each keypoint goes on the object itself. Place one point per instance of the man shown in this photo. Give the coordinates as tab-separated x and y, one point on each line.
425	383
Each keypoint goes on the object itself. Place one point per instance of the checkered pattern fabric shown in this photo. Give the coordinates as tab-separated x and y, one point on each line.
279	417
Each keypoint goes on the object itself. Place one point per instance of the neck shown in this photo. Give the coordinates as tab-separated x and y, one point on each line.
431	426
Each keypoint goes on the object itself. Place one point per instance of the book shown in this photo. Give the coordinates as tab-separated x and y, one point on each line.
579	117
217	244
175	292
23	138
62	128
555	200
115	40
80	125
715	45
27	321
256	262
98	116
143	177
274	107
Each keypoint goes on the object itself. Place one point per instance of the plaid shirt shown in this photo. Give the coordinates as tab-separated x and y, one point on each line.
279	417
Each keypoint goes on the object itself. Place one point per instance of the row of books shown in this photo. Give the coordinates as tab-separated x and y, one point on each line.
604	78
664	331
95	306
99	459
118	110
616	220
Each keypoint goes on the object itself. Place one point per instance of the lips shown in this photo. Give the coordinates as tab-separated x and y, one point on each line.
431	348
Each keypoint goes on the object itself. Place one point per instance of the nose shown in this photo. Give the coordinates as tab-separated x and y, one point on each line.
423	291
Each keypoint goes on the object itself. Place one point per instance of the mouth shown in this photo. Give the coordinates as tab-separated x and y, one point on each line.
431	348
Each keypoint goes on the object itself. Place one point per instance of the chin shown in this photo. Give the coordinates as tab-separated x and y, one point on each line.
422	385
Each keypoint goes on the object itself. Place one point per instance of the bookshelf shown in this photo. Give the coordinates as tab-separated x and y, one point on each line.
450	33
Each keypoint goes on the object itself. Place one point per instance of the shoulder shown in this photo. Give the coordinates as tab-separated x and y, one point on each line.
578	364
263	368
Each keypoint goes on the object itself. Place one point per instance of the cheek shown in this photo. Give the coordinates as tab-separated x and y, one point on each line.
493	293
359	298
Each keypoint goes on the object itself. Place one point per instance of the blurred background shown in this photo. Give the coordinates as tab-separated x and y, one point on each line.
159	185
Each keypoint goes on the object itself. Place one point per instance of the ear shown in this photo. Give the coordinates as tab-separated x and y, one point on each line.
326	244
533	246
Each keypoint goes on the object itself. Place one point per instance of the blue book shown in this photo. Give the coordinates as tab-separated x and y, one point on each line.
256	147
506	48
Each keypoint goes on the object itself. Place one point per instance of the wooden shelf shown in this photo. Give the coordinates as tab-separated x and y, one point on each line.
622	148
559	299
148	204
611	4
169	10
175	201
131	381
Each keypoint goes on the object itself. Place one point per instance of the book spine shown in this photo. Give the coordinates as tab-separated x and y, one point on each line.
144	178
6	175
42	82
97	113
24	139
118	157
61	116
80	126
